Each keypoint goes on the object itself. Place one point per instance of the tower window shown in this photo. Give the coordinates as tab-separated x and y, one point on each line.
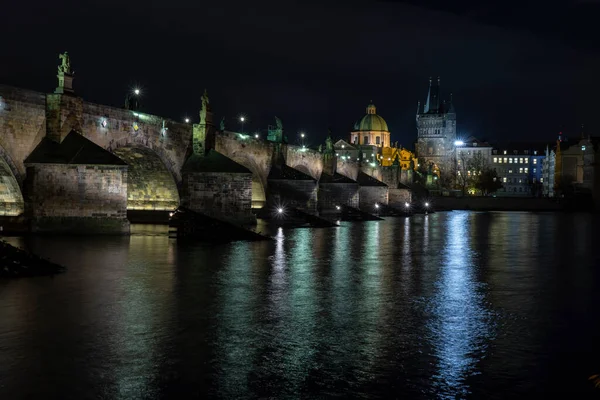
366	140
377	140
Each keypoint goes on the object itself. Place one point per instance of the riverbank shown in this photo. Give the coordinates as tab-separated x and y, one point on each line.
496	204
17	263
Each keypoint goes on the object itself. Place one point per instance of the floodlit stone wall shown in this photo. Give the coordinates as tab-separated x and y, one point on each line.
150	185
77	198
226	196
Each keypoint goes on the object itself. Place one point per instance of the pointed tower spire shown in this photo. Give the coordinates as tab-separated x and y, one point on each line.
427	102
451	106
418	107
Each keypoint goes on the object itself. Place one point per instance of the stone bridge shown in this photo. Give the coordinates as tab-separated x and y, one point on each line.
154	150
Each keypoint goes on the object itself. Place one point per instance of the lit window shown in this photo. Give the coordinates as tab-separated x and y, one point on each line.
520	161
526	170
541	179
535	152
534	170
504	179
504	151
505	159
495	159
526	160
510	171
520	181
520	170
535	160
510	160
582	148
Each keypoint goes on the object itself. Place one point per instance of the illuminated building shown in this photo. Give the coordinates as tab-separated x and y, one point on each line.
436	129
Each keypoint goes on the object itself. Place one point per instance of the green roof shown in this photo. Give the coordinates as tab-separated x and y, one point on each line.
74	149
371	121
213	162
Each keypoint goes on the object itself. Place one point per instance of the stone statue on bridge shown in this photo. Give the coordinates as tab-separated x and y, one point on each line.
65	64
222	125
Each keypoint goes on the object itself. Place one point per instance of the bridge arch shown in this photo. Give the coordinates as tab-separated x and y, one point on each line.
150	183
11	196
259	176
173	166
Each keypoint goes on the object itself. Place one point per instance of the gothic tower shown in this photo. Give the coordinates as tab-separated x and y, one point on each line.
436	129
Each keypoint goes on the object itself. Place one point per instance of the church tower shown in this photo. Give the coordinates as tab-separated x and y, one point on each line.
436	129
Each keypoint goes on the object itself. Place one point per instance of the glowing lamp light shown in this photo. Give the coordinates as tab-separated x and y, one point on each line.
242	119
280	210
343	146
104	123
256	136
187	120
338	207
459	143
376	205
302	135
171	214
426	204
406	205
136	92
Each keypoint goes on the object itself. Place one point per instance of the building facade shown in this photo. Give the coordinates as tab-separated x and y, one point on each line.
520	169
436	130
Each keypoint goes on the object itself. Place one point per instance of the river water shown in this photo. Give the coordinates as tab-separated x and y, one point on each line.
448	305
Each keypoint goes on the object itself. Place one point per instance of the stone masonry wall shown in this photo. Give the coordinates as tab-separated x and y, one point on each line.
77	198
371	195
333	194
300	194
11	200
398	198
150	185
22	126
226	196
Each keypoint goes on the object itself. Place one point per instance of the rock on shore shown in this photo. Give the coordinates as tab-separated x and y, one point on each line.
15	263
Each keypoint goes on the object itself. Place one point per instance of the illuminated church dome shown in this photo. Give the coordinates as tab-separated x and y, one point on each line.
371	130
371	121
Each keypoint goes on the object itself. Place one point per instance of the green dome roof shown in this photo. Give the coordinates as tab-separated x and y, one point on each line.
371	121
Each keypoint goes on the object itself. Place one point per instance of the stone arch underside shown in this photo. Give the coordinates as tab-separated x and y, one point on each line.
11	197
259	177
150	184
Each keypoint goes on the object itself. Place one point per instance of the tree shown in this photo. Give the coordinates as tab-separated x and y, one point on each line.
487	182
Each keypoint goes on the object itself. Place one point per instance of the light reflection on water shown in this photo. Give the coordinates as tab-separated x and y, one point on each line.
446	305
461	325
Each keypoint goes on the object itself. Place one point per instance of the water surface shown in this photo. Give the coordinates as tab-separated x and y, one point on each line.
449	305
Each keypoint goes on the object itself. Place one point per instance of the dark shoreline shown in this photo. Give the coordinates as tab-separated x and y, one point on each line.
17	263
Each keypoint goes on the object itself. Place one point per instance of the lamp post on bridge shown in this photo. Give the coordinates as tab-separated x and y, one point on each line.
242	119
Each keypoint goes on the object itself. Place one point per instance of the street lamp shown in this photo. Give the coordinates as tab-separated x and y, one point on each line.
406	205
242	119
256	136
136	92
302	135
187	120
426	204
280	210
459	143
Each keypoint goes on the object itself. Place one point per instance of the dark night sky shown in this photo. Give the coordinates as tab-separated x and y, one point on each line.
517	69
